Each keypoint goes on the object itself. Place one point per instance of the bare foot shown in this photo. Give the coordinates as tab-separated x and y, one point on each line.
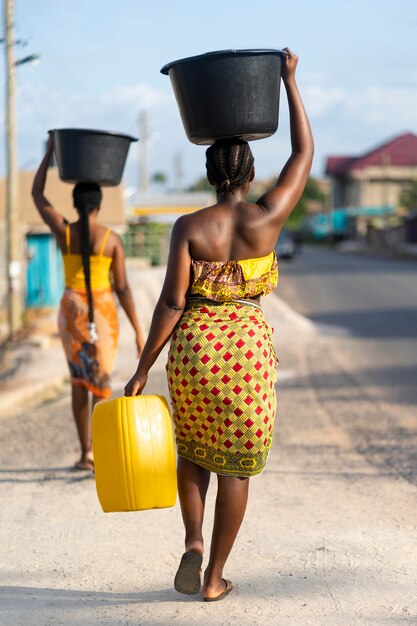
196	546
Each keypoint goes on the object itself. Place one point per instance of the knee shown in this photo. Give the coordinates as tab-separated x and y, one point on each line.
233	484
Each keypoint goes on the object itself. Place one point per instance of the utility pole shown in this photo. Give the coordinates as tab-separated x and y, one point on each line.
13	228
143	152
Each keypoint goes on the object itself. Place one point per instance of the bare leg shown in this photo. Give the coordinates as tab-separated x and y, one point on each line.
232	497
193	482
81	411
94	401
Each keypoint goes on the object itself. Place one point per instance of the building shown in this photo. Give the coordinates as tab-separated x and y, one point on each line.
168	207
42	279
375	178
151	219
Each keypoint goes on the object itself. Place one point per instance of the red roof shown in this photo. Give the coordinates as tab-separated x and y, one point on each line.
401	150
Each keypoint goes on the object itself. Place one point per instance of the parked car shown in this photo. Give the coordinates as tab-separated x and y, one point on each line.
285	247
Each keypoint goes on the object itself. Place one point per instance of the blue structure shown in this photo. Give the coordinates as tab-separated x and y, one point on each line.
336	223
44	274
324	225
371	211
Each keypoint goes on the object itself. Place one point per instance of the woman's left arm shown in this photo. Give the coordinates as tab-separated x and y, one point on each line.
52	218
282	199
169	308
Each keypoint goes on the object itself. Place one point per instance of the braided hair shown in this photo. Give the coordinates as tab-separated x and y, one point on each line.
87	198
229	164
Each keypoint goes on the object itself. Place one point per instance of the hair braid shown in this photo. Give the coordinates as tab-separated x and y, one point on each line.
229	164
234	162
85	251
87	197
222	168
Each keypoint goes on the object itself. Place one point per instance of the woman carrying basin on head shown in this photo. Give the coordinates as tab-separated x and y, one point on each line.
221	363
93	259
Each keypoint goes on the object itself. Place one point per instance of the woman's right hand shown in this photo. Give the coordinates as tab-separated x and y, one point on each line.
136	384
289	64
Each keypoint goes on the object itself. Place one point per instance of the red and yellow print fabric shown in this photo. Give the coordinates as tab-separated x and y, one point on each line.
223	281
90	364
221	375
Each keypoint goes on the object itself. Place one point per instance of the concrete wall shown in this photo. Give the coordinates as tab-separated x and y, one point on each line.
60	195
373	186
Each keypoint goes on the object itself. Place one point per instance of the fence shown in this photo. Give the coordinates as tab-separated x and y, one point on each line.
149	240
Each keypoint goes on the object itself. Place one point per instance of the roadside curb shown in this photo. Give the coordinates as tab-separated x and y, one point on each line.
29	394
288	316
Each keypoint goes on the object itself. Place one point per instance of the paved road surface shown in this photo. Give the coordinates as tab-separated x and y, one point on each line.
330	533
367	309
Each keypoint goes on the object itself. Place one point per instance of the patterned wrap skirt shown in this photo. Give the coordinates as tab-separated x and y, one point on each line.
90	364
221	375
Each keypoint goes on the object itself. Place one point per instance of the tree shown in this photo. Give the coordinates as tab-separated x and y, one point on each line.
160	178
311	193
201	184
408	197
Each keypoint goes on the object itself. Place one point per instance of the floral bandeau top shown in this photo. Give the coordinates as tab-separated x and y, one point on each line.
234	280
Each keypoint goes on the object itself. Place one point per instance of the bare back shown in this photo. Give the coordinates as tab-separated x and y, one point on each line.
113	248
227	231
97	234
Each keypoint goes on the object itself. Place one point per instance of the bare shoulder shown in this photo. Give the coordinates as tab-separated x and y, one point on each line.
190	226
186	223
114	241
198	218
181	228
113	236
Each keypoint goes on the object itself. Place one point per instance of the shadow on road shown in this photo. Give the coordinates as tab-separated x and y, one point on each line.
401	380
26	475
374	324
67	598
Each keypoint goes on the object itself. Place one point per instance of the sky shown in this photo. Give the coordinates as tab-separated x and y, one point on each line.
100	64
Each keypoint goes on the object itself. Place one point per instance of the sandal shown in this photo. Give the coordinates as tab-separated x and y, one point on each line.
228	589
188	577
86	463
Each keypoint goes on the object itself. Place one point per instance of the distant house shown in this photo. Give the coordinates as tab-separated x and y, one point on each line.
151	220
375	178
41	261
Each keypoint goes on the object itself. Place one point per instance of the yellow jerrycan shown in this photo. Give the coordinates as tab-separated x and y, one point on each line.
134	454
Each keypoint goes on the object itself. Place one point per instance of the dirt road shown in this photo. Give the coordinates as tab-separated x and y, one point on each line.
329	537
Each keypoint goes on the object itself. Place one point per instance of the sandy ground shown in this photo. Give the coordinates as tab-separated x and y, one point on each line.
329	537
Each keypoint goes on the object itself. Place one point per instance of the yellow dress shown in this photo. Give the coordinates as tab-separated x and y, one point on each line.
90	364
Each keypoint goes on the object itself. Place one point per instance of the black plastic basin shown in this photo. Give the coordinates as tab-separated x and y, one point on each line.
90	156
229	93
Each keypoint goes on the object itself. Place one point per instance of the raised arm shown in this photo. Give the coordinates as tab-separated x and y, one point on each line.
169	308
52	218
282	199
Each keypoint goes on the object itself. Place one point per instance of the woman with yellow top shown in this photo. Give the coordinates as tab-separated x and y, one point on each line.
87	321
221	363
